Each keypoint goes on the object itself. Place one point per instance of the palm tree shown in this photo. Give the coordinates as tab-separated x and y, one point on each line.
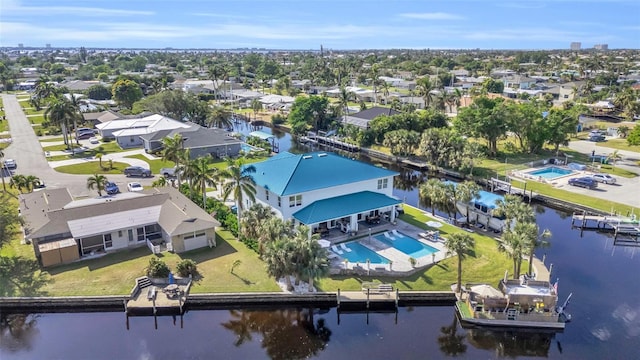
161	182
465	192
432	194
514	244
614	157
623	131
256	106
18	182
459	244
203	175
513	209
252	223
240	183
98	182
343	99
59	112
424	87
535	240
271	230
31	181
172	149
99	156
219	117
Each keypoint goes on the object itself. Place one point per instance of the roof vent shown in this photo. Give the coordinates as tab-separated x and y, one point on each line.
322	155
307	157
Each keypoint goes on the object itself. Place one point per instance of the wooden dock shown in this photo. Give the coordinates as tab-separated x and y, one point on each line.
416	164
329	141
627	228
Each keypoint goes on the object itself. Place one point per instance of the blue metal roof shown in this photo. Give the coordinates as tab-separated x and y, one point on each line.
288	174
341	206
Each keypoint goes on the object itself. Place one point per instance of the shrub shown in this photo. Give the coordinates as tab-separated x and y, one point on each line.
187	267
157	268
278	119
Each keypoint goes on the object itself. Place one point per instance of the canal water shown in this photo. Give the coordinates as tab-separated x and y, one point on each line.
605	308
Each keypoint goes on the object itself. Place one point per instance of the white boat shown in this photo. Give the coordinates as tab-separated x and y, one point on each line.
480	211
523	303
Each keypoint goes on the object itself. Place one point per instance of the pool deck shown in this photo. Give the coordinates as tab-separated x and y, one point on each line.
400	260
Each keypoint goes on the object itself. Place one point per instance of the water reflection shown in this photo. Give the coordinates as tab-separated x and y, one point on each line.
285	333
513	343
17	331
451	343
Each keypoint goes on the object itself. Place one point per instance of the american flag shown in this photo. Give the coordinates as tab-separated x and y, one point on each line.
555	286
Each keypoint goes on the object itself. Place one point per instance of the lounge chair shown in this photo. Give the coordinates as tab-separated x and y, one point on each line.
336	250
344	247
396	233
388	236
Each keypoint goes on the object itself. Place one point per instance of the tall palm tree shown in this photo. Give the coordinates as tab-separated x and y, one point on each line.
513	209
172	149
31	182
256	106
459	244
424	88
514	244
343	99
535	240
59	112
432	194
98	182
271	230
467	191
253	220
240	183
18	182
204	174
614	157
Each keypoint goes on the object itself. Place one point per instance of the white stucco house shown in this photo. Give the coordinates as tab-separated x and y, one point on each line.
324	190
127	132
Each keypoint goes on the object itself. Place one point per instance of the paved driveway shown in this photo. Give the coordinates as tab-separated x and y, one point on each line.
26	150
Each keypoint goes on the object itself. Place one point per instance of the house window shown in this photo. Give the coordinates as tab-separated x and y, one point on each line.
140	232
108	242
383	183
279	201
119	233
295	200
266	194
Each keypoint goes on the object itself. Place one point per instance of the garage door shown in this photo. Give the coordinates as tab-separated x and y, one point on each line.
195	242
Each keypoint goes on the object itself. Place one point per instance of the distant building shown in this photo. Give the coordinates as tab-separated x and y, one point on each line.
601	46
576	45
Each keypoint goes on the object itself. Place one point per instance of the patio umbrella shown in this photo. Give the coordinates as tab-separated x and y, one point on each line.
324	243
434	224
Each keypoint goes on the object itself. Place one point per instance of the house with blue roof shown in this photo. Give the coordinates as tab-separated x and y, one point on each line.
324	190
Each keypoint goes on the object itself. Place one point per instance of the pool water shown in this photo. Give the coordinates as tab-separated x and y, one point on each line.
407	245
360	254
551	172
248	148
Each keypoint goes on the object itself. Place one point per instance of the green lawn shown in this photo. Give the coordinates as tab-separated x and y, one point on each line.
36	119
619	144
92	167
4	125
154	165
105	148
596	203
60	147
53	139
114	274
485	264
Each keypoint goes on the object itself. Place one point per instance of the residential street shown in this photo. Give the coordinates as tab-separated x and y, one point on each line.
25	149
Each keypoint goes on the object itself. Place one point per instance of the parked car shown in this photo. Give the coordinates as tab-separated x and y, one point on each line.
137	171
585	182
168	172
604	178
134	186
111	188
93	140
84	136
10	164
596	138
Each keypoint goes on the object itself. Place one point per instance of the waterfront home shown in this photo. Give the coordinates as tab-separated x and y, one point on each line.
324	190
363	118
62	230
200	141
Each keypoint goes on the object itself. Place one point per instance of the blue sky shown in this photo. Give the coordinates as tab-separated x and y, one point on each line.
336	24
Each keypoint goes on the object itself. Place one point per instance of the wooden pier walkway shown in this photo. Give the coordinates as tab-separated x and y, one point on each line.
620	226
329	141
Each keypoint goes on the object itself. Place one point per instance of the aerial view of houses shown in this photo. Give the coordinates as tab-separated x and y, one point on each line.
149	178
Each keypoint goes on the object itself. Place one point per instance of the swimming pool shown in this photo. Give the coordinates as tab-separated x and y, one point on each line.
551	172
407	245
359	254
248	148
